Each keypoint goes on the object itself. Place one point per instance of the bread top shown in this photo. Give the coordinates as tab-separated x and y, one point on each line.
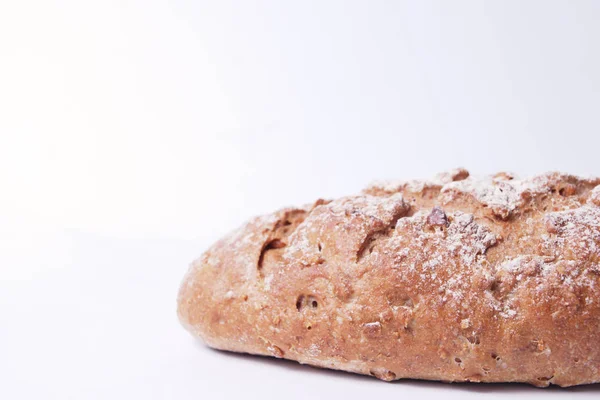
449	270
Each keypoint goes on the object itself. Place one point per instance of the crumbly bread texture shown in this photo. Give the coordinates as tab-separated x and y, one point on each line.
452	279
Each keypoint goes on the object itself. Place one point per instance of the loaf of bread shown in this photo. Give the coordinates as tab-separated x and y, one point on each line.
452	279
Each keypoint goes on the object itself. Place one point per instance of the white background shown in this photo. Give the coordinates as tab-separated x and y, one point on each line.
135	133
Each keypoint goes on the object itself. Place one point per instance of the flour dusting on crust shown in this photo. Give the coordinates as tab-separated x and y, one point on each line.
454	278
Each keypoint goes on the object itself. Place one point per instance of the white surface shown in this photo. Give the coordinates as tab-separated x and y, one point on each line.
133	134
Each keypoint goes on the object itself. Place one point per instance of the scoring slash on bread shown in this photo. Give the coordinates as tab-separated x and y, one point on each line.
453	279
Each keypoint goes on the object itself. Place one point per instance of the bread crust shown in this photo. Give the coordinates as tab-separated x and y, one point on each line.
452	279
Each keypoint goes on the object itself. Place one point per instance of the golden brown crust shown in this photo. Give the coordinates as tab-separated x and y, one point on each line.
453	279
